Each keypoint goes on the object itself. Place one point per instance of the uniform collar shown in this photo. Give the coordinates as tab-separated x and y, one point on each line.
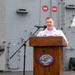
54	29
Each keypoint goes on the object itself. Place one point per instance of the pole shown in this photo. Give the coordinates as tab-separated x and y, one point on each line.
24	44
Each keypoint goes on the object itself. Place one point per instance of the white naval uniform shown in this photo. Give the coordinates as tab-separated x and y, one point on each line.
53	32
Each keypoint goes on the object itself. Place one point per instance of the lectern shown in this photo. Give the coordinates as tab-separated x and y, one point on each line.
47	55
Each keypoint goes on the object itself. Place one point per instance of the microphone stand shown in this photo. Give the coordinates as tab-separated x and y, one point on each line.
24	44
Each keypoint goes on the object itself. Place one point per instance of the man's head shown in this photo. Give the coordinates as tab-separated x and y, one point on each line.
49	23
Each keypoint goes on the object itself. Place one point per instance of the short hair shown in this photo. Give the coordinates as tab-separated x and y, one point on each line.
49	18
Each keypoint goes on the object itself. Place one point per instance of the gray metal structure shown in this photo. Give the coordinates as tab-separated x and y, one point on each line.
17	21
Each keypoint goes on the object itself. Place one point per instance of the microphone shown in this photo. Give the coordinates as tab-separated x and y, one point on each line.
41	26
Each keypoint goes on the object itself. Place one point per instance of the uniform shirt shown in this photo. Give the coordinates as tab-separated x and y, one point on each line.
53	32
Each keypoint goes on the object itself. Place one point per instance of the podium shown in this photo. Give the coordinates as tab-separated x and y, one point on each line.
47	55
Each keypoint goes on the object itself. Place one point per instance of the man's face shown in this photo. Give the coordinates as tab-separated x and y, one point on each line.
49	24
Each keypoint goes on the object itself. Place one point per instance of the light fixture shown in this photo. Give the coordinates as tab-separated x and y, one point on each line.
21	11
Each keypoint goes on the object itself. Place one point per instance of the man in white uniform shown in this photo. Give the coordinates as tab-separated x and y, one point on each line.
51	30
